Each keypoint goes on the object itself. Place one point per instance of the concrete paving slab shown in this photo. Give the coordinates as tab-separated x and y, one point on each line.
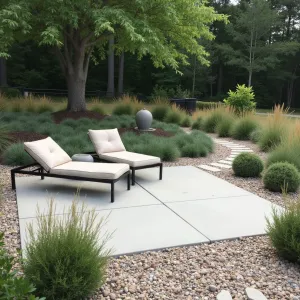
32	191
225	162
186	183
226	218
209	168
143	228
224	166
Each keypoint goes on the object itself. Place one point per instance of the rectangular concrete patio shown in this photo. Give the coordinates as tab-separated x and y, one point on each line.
189	206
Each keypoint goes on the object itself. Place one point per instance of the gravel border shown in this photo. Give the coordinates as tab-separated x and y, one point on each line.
195	272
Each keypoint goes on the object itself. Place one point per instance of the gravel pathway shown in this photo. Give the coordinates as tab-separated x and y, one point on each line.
196	272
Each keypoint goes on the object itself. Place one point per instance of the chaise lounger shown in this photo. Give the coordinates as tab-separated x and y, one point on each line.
110	148
52	161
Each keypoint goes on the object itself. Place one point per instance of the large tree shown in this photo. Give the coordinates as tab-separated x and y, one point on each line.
158	28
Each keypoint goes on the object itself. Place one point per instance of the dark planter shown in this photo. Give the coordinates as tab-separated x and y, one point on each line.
188	104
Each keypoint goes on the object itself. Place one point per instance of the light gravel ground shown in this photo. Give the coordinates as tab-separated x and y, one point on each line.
196	272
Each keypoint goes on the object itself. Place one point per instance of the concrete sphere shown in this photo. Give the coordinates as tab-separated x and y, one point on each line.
143	119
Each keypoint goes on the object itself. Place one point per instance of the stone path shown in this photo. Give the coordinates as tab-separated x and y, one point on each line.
189	206
226	163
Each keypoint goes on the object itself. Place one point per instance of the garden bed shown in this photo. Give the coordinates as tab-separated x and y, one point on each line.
25	136
60	116
157	132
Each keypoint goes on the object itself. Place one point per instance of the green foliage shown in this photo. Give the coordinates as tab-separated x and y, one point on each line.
286	152
15	155
243	128
197	124
223	128
160	112
242	100
283	229
186	122
5	140
12	285
99	109
247	165
270	138
174	117
202	105
123	109
210	123
282	176
10	92
65	257
255	135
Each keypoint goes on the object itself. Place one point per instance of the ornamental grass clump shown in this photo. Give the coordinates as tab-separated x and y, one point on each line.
275	130
224	127
282	176
160	112
15	155
197	125
210	123
5	139
283	229
66	256
247	165
243	128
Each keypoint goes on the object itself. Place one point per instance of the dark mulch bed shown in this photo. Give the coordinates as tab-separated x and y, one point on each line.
60	116
157	132
24	136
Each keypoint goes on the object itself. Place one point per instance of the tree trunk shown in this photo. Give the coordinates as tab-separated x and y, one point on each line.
121	75
220	79
250	79
111	68
3	74
76	92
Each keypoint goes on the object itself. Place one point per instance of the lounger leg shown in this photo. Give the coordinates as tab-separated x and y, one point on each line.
128	181
13	179
160	171
112	189
133	176
42	174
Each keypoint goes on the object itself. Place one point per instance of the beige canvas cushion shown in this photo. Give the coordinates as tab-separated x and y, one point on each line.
91	170
131	158
106	141
47	153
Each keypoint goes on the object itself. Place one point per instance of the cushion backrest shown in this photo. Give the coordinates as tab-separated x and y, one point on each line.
106	141
47	153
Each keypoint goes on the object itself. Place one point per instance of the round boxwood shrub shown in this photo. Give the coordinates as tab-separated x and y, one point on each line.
247	165
282	176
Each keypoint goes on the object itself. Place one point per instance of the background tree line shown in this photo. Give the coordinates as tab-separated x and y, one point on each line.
259	47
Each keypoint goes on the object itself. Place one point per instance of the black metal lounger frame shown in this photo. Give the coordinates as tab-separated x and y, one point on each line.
40	171
133	169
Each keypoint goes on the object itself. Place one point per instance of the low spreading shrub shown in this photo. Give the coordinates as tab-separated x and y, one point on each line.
247	165
224	127
5	140
283	230
16	156
242	100
12	285
66	256
282	176
243	128
159	113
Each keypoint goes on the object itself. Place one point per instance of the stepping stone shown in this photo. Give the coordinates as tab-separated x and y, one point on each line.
233	155
209	168
230	158
224	295
221	165
242	150
254	294
228	162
